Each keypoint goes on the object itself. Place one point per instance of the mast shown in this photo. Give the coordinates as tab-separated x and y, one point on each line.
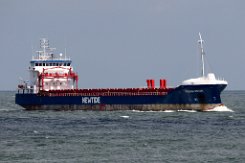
202	53
44	44
46	51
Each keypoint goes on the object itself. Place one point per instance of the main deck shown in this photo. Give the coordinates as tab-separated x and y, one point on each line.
108	92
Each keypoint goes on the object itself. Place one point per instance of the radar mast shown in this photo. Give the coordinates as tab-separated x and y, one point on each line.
46	51
201	41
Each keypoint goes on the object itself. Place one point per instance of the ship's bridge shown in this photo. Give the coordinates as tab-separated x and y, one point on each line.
49	71
46	59
45	63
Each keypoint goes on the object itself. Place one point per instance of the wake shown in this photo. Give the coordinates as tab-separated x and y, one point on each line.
221	109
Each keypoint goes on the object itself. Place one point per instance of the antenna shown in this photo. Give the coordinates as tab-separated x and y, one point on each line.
202	53
65	53
44	44
46	51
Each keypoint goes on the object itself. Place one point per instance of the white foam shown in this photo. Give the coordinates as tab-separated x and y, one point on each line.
190	111
124	116
9	109
221	109
137	111
144	111
35	131
151	111
168	111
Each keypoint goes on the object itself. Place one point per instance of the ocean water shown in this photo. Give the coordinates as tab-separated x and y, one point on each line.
123	136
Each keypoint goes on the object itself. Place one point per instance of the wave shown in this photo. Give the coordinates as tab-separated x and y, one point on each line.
151	111
124	116
190	111
6	109
221	109
167	111
216	109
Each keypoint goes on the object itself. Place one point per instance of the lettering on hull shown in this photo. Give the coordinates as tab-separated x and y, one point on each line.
91	100
193	91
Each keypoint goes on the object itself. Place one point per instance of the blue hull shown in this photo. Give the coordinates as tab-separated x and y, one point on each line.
186	97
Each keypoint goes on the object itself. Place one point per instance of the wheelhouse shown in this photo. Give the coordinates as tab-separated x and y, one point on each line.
51	63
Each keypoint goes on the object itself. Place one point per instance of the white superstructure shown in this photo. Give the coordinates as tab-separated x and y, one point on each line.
204	79
49	71
209	79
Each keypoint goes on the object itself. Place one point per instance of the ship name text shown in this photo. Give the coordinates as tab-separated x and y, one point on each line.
193	91
91	100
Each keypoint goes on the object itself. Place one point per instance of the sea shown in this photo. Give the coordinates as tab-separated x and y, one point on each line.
123	136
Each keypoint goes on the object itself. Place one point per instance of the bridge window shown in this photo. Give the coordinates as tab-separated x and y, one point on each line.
68	64
36	64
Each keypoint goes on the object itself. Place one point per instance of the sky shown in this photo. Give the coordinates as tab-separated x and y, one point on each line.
121	43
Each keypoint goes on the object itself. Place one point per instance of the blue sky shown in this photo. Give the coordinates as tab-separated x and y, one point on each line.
121	43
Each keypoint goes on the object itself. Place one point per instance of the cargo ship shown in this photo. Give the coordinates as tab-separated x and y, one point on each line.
53	85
